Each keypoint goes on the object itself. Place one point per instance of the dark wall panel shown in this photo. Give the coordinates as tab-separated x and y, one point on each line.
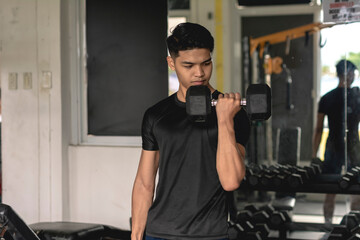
127	70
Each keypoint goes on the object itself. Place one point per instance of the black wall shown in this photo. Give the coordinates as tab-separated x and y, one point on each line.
127	70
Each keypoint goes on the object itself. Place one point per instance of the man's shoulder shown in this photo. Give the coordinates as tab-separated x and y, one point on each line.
160	106
331	94
164	102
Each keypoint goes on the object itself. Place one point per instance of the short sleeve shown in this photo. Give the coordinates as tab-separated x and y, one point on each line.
148	139
322	106
242	127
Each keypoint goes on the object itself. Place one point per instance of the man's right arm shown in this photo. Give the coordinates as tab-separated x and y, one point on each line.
318	133
143	192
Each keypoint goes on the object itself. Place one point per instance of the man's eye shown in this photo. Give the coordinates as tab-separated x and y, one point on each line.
207	63
187	66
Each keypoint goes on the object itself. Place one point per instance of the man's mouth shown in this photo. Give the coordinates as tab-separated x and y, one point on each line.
199	82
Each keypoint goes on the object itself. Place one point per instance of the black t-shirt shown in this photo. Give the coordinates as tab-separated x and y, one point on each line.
190	202
332	105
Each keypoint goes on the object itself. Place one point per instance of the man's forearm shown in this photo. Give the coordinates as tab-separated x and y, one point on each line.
316	143
141	202
229	159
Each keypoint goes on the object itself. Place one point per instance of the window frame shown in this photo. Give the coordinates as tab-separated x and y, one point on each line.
79	115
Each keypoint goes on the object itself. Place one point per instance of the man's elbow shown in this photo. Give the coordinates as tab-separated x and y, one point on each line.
232	184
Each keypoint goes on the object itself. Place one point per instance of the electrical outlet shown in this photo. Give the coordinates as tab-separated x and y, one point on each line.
12	81
27	80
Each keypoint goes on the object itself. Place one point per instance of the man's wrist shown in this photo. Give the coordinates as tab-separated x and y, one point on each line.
136	236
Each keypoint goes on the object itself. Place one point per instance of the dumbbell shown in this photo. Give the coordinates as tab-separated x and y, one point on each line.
298	177
257	102
339	232
317	164
260	216
254	177
244	231
311	170
279	218
252	219
349	226
351	177
280	179
351	221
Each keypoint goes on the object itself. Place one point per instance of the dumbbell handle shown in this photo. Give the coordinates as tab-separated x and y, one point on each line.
242	102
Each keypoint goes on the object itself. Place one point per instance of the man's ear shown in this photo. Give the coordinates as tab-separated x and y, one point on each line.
170	62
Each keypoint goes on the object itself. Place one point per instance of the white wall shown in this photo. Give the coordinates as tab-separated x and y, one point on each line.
101	183
31	127
45	179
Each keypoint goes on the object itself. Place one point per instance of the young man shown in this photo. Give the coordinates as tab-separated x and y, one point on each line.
332	105
198	162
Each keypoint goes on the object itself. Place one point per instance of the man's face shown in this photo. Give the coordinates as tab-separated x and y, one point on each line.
350	77
192	67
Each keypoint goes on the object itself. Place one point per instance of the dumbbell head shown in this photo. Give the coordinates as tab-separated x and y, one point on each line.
295	180
258	101
252	208
269	209
277	220
311	171
243	216
346	180
263	229
198	103
260	217
339	232
351	221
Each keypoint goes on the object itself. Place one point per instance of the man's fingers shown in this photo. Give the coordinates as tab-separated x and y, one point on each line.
231	95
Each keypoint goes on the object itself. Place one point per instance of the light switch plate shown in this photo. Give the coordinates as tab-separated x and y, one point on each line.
12	81
46	81
27	80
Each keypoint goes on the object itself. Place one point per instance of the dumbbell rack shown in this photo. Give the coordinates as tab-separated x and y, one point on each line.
328	183
317	183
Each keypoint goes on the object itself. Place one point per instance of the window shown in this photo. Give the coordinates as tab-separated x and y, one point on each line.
119	81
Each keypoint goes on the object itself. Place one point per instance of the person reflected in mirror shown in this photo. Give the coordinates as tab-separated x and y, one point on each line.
332	105
198	164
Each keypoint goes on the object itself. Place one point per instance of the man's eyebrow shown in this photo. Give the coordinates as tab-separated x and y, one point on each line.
186	62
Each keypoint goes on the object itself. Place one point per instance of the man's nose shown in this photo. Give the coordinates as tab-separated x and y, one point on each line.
199	72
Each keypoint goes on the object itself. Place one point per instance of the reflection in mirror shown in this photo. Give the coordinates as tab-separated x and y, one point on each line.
338	111
328	196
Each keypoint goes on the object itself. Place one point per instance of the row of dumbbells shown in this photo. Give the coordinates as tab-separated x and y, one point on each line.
348	229
281	175
254	222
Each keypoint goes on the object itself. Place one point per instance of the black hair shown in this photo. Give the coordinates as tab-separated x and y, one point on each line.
187	36
340	67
